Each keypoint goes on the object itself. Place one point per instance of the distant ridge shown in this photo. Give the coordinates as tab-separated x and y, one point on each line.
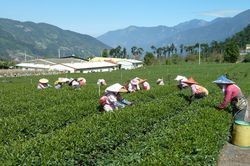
189	32
44	40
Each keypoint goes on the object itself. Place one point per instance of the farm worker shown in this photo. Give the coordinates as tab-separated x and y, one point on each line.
234	96
160	81
134	85
181	85
74	83
82	81
59	83
145	85
197	91
101	82
112	100
43	84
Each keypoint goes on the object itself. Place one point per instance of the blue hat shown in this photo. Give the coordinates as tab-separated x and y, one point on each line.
223	80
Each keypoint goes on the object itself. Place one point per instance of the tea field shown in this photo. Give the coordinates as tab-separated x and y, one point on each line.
64	127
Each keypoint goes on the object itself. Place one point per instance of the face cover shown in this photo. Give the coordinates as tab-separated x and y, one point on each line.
223	88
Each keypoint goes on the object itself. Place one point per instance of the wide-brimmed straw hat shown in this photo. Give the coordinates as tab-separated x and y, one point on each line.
116	88
190	81
135	81
81	79
101	82
178	78
159	80
43	80
223	80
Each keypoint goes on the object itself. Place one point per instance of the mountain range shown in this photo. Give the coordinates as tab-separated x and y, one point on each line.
28	39
187	33
19	40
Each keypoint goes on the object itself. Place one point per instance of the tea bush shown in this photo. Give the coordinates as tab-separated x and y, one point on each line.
63	127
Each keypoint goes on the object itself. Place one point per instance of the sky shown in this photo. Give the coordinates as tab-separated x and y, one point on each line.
96	17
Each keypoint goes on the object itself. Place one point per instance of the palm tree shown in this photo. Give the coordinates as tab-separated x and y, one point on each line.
137	52
159	52
181	49
154	49
133	51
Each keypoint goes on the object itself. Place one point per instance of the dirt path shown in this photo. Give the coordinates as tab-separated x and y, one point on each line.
232	155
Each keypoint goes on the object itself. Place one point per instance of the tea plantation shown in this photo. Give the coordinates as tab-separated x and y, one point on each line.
64	127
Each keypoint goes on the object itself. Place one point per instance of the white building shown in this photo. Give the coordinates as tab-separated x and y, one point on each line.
70	65
124	63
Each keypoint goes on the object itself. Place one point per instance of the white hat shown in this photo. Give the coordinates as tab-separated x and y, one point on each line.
159	80
134	81
178	78
116	88
43	80
101	81
81	79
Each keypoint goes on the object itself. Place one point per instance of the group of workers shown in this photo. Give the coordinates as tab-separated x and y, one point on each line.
232	94
75	83
112	99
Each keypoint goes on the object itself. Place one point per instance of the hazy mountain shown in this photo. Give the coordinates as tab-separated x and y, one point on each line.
44	40
189	32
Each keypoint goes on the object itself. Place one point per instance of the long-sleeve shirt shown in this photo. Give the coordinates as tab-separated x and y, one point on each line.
197	89
231	91
133	88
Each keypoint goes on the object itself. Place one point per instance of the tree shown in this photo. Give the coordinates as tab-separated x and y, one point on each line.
149	58
181	49
154	49
232	52
105	53
124	53
137	52
133	51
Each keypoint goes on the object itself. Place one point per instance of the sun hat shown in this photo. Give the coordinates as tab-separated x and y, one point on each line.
190	80
178	78
159	80
134	81
116	88
101	82
81	79
56	82
43	80
223	80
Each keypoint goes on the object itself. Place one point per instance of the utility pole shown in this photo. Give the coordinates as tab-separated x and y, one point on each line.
25	59
59	53
199	53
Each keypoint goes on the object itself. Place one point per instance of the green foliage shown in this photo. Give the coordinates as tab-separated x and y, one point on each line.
242	38
247	58
105	53
232	52
63	127
6	64
149	58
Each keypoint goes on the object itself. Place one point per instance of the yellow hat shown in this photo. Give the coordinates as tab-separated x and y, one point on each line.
43	80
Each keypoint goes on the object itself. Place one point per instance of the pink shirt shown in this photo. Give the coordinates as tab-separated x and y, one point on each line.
231	91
